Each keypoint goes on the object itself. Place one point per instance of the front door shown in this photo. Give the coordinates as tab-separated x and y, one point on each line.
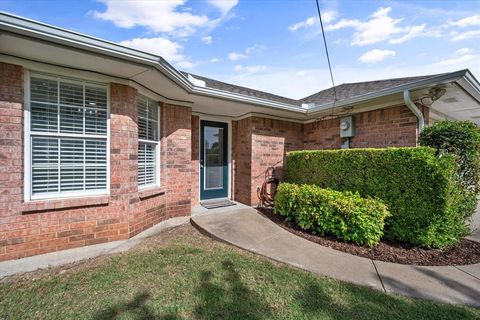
213	160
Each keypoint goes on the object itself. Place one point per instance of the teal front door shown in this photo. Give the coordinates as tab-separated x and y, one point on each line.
213	160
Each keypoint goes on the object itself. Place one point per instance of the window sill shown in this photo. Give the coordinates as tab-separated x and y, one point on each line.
55	204
150	192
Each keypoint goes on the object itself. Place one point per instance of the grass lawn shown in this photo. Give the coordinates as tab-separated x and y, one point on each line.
182	274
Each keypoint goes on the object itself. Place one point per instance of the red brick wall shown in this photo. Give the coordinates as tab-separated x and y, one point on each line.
176	142
260	143
390	127
271	140
195	159
242	160
44	226
11	135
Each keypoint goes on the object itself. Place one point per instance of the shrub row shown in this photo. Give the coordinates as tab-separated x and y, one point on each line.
461	138
419	189
345	215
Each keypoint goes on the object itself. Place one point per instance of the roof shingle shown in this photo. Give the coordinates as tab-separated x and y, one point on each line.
344	91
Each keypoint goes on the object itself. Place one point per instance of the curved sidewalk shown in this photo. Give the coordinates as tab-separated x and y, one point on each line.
249	230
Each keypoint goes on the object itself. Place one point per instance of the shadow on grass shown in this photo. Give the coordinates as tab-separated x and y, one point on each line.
225	296
318	301
137	309
136	306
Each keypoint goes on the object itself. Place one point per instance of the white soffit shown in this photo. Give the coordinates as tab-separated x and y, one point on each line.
458	104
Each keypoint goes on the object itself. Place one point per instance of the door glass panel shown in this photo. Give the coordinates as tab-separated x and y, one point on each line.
213	157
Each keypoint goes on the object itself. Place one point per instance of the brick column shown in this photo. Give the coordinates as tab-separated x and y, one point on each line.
242	160
11	139
123	148
177	158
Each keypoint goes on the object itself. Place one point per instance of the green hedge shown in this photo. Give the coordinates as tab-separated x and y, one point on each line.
418	188
461	138
345	215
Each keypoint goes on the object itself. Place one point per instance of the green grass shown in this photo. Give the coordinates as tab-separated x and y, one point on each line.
182	274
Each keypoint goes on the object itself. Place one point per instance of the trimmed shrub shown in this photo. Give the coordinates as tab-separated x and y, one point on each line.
345	215
419	189
461	138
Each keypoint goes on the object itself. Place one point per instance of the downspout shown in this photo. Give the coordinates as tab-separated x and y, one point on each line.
413	107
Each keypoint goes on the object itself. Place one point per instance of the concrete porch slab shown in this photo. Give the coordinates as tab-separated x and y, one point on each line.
233	228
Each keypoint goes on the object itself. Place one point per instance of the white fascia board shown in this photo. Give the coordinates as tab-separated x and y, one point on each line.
473	82
211	92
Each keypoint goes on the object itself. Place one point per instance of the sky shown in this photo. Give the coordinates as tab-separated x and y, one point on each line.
277	46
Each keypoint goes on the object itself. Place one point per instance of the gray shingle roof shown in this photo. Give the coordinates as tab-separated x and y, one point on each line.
215	84
344	90
349	90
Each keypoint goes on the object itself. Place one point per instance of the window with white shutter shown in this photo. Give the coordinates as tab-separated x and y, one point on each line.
67	137
148	142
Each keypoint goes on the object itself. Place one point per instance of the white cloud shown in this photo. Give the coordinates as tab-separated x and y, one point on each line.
207	40
380	27
458	36
169	50
223	5
463	51
413	32
465	22
157	16
460	57
185	64
234	56
376	55
249	69
302	24
256	48
215	59
161	46
327	17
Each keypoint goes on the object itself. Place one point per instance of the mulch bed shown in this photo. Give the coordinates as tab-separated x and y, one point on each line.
465	252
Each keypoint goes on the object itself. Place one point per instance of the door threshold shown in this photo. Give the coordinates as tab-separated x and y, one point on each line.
217	203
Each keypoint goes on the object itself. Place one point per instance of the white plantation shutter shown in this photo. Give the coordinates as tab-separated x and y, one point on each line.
68	134
148	142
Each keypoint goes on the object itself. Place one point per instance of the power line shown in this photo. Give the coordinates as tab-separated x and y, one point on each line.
328	56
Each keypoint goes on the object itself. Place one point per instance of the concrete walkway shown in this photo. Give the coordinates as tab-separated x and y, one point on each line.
249	230
53	259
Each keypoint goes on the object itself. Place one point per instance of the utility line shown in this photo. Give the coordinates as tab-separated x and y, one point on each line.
328	56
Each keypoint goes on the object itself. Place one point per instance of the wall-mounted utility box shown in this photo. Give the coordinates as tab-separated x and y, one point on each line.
347	127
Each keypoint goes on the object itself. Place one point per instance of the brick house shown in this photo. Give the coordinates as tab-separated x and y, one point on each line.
99	142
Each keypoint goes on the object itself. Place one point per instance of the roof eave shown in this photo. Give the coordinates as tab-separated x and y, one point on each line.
472	81
35	29
452	76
